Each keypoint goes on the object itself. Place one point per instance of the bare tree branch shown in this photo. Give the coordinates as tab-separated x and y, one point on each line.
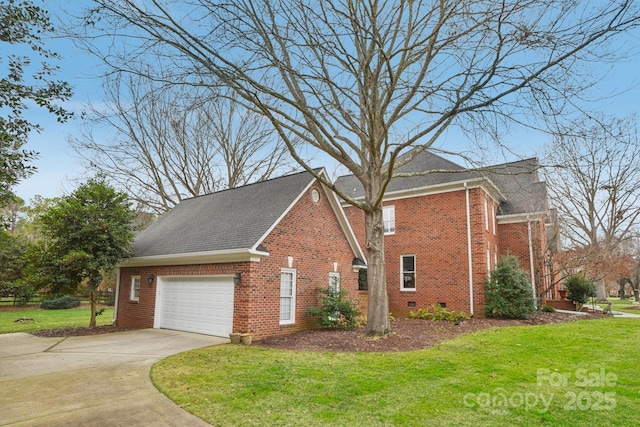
172	143
347	77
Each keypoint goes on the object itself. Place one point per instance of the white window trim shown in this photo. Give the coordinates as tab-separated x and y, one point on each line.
489	261
392	219
292	320
486	213
415	281
132	296
334	275
493	216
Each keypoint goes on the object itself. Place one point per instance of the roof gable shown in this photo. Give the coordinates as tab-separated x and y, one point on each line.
425	161
517	182
525	193
232	219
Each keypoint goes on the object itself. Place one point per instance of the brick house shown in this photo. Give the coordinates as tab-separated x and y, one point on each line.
250	259
445	231
247	260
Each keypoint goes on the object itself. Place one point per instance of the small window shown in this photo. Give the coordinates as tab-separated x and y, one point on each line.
315	196
135	288
334	281
362	280
287	296
408	279
389	219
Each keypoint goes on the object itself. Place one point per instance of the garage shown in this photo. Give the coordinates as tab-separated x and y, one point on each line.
200	304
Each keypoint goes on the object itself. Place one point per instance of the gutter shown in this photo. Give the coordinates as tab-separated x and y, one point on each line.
232	255
469	254
533	274
115	306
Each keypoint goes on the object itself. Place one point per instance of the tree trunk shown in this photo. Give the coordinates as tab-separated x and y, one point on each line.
601	293
636	294
92	299
378	311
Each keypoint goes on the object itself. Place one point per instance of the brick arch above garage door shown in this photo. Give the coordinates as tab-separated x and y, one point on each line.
200	304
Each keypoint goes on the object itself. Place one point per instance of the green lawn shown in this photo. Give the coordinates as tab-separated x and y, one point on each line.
50	319
622	305
580	373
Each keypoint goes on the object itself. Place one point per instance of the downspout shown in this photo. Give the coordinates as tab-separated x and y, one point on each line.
533	273
115	307
470	258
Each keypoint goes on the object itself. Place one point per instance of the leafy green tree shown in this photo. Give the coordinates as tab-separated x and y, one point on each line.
22	26
28	226
580	289
85	235
508	292
12	263
9	212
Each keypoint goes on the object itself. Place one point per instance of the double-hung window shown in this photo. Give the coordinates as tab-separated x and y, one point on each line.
135	288
334	281
389	219
408	273
287	296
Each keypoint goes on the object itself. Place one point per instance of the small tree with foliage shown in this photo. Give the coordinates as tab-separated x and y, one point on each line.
336	311
85	235
508	292
580	289
12	263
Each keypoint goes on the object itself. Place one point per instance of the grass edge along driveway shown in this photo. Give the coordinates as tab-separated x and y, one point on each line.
50	319
579	373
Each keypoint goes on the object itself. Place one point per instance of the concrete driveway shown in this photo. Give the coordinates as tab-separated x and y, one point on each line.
100	380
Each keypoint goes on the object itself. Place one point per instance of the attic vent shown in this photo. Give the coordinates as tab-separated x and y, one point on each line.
315	196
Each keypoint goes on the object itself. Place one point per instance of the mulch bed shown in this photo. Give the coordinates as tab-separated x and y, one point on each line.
78	332
406	335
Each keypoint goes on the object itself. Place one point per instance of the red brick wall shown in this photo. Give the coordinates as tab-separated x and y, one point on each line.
434	229
310	233
514	240
140	314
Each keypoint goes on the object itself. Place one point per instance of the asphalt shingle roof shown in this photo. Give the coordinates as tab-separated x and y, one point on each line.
518	181
425	161
226	220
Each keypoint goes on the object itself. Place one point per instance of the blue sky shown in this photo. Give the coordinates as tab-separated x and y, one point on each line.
59	168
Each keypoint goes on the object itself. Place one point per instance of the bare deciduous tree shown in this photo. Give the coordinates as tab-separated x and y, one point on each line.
364	82
594	187
175	142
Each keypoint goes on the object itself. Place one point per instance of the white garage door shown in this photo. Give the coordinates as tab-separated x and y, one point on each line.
197	304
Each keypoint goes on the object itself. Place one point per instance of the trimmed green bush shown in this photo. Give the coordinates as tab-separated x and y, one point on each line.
435	312
335	311
580	289
548	309
64	302
508	293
